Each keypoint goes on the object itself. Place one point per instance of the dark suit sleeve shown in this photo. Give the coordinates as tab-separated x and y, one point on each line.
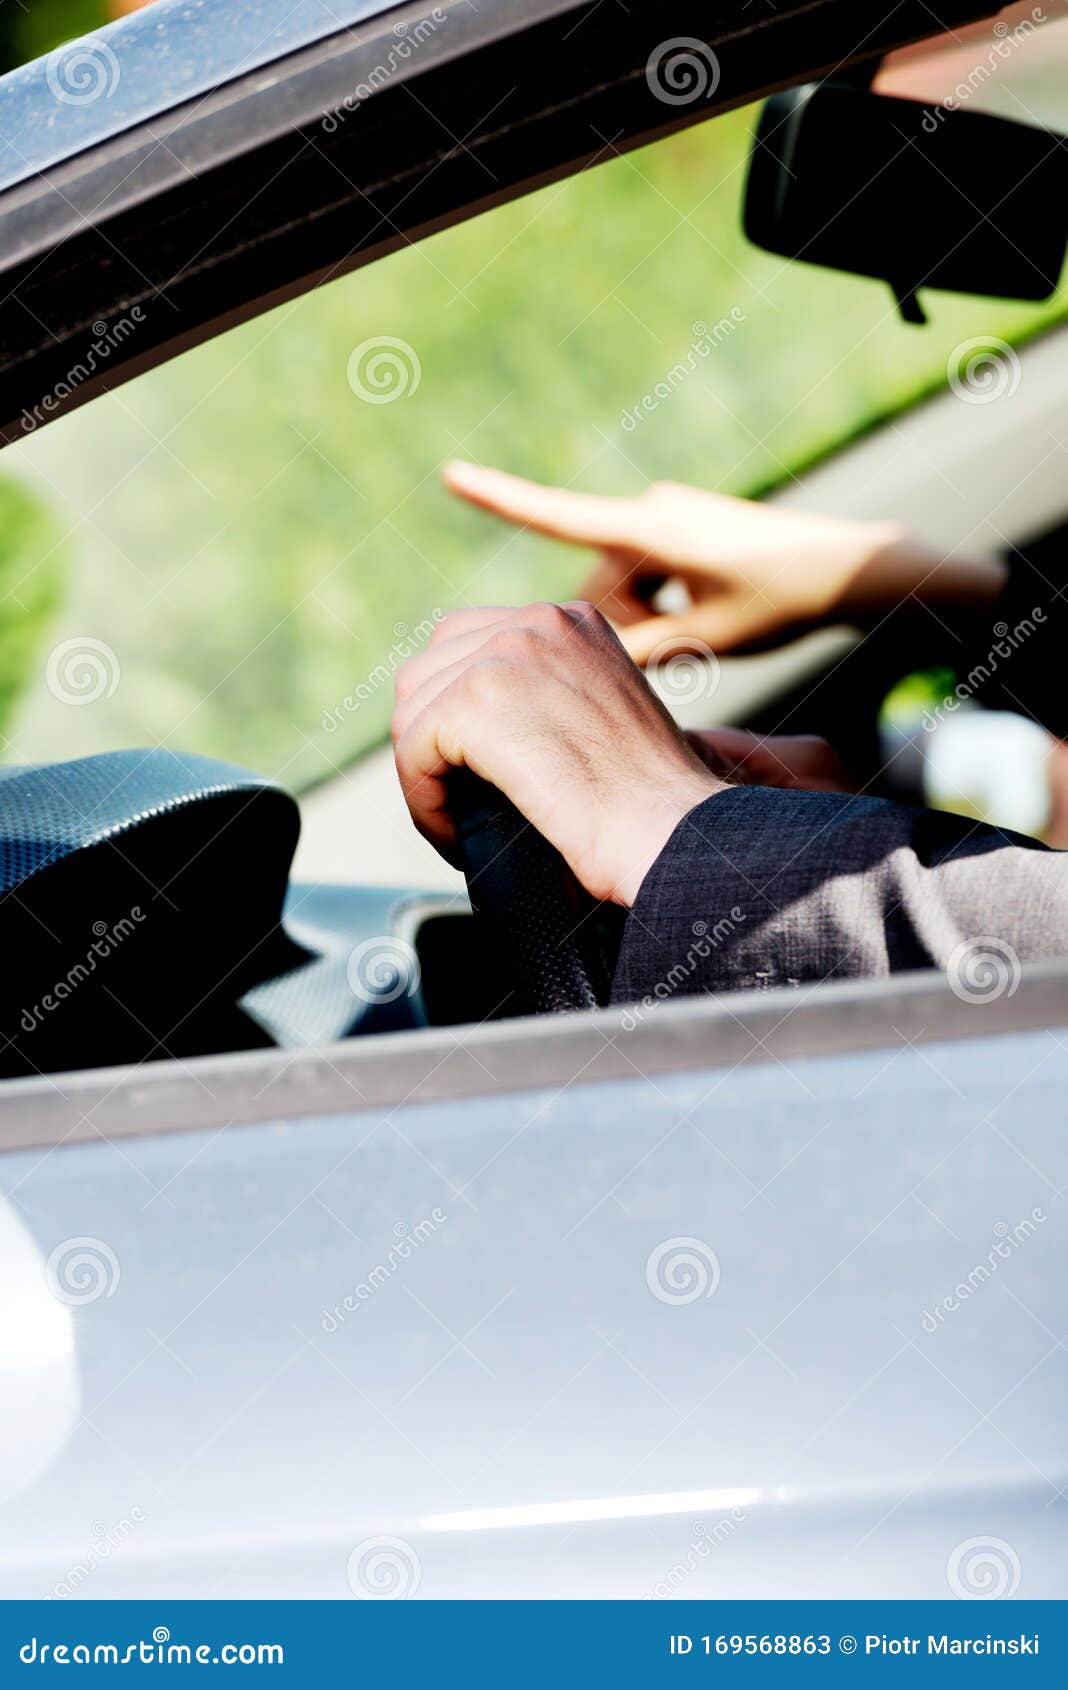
758	888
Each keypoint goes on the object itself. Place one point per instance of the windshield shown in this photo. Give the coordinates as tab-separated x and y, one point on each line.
233	553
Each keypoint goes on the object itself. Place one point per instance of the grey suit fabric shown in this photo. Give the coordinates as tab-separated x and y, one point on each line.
759	888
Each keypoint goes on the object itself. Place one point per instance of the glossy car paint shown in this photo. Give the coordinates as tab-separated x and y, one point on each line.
526	1388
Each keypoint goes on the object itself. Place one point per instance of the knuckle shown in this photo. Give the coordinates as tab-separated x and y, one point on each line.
548	617
484	683
463	619
447	627
514	644
587	613
406	680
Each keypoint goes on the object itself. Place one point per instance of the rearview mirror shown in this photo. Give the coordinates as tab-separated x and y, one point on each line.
918	195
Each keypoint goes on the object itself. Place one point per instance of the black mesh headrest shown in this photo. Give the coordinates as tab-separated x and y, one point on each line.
140	896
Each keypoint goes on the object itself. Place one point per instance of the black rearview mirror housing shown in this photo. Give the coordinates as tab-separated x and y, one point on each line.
917	195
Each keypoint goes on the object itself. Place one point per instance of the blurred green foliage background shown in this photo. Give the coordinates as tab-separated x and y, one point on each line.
30	563
252	538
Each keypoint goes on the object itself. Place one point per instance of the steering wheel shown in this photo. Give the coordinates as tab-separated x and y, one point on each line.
540	922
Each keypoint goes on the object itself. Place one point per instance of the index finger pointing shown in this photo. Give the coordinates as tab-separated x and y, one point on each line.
584	519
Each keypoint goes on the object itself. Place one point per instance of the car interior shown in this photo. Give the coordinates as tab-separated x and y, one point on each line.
166	901
353	1242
